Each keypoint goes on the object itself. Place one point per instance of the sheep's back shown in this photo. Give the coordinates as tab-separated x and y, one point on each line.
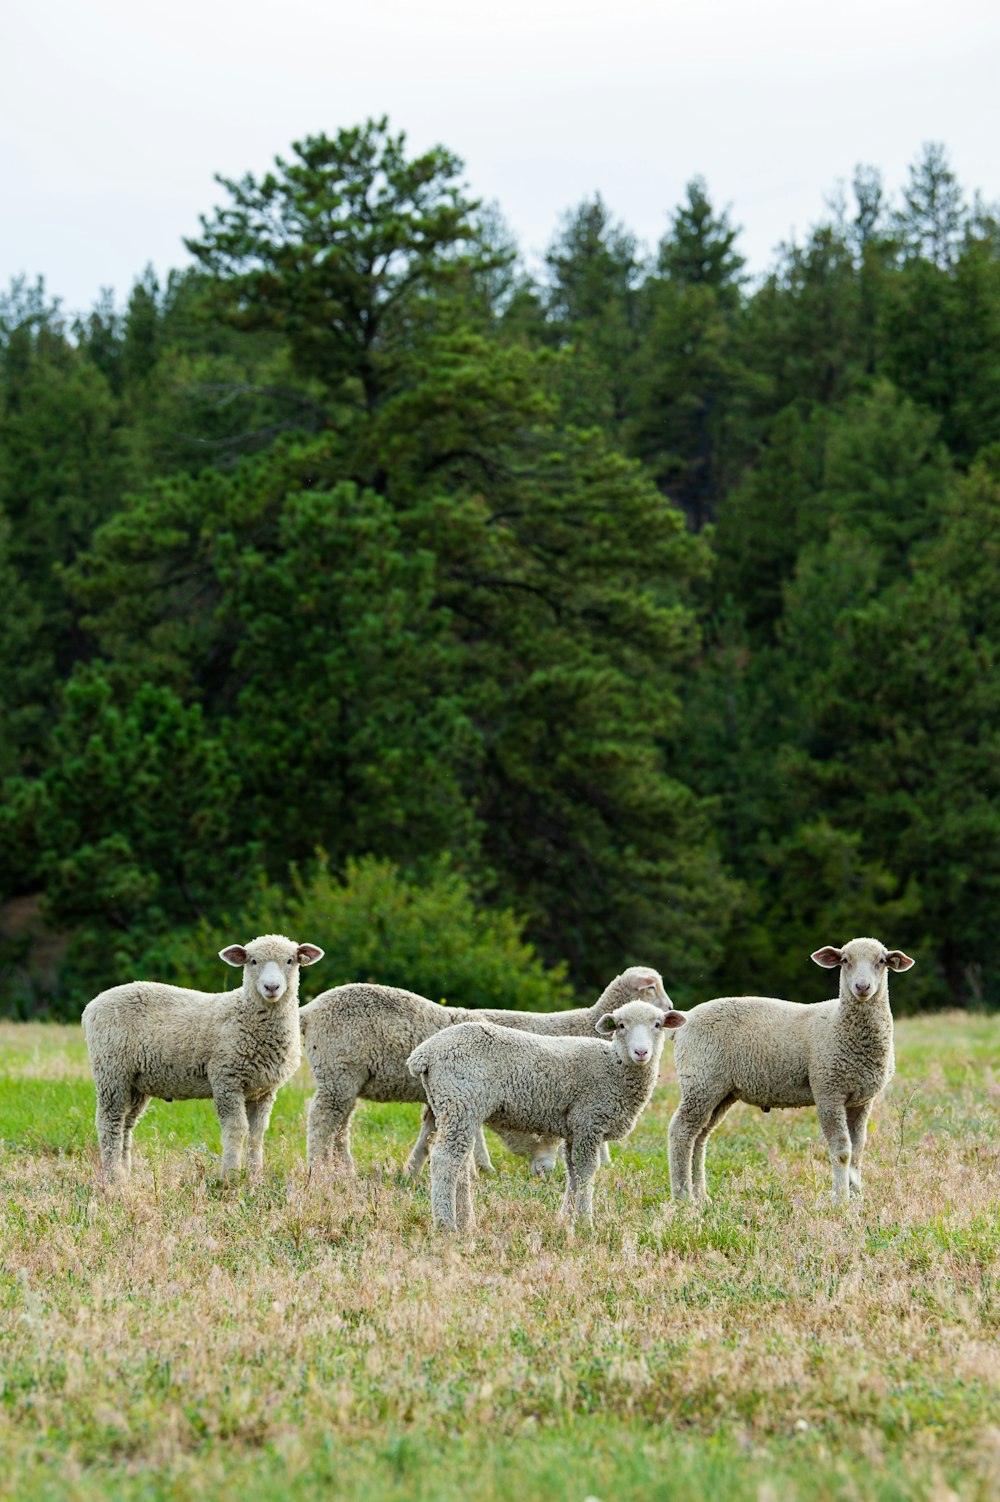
576	1023
161	1039
363	1034
758	1048
513	1081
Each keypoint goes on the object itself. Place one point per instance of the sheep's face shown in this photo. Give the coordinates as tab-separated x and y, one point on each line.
270	963
638	1029
863	965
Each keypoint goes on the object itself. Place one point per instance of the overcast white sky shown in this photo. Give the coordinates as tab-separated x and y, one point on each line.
114	114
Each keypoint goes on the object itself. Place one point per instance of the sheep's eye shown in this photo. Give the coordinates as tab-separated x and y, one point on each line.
289	959
253	961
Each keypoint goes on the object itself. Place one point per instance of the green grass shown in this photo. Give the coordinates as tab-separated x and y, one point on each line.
311	1338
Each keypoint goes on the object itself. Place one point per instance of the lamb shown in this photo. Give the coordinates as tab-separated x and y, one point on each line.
358	1038
770	1053
581	1089
238	1047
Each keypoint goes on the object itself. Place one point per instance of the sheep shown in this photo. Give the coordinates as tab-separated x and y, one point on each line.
836	1055
145	1038
358	1037
580	1089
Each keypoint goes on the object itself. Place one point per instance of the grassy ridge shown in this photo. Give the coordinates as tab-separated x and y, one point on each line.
310	1338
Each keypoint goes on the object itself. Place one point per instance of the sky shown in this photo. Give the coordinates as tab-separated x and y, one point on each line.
115	116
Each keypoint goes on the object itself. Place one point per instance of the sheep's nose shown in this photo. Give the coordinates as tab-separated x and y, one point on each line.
640	1053
271	988
862	987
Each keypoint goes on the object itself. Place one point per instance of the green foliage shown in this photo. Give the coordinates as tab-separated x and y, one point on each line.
350	723
339	249
466	672
356	535
129	830
428	936
690	381
820	884
906	742
873	471
62	470
934	214
700	249
25	665
592	307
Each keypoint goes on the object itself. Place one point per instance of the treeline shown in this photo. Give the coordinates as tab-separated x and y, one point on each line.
356	571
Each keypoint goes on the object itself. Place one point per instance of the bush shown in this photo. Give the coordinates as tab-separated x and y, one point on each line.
377	924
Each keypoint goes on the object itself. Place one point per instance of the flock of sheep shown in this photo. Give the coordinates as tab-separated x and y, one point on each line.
538	1079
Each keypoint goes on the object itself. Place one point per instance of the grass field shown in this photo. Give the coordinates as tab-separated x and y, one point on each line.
311	1338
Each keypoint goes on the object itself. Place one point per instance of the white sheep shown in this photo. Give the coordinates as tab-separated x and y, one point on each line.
145	1038
358	1038
836	1055
580	1089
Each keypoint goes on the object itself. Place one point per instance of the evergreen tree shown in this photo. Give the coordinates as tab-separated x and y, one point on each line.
592	305
339	250
934	215
26	669
62	469
133	827
700	248
691	385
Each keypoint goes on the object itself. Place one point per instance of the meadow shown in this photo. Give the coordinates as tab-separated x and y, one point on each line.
309	1337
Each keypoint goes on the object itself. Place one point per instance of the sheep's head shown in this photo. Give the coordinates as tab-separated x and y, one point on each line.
270	962
637	983
638	1029
863	965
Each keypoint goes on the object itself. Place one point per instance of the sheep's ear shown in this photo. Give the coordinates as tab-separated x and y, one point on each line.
605	1025
234	954
898	960
827	957
308	954
674	1019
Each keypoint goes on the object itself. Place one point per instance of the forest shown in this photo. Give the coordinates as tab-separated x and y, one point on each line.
496	629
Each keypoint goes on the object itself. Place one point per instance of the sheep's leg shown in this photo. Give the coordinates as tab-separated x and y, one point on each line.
465	1214
453	1146
605	1155
686	1126
569	1197
420	1149
113	1106
481	1154
833	1120
586	1158
857	1125
258	1117
701	1142
418	1155
231	1108
136	1108
328	1123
